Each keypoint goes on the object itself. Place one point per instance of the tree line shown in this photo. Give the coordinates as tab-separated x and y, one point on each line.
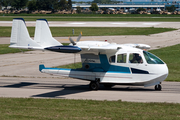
54	5
37	4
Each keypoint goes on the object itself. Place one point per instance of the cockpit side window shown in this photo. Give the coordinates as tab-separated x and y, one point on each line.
121	58
152	59
112	59
135	58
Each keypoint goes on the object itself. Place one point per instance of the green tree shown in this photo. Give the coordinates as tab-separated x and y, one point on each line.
94	7
18	4
140	9
32	5
63	4
54	4
172	8
69	4
5	3
44	4
78	9
47	4
102	1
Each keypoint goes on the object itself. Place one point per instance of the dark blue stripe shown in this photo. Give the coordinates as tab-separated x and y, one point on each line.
44	20
138	71
19	19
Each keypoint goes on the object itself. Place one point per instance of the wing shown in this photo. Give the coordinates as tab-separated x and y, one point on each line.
43	40
100	49
140	46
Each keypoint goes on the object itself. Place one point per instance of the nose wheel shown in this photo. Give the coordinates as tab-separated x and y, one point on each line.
158	87
94	85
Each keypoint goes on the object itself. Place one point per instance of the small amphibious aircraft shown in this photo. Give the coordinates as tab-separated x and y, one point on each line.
102	62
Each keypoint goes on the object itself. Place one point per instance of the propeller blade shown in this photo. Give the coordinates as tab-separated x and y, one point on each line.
79	37
72	41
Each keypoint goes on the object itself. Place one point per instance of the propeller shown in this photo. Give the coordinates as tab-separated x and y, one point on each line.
72	41
78	39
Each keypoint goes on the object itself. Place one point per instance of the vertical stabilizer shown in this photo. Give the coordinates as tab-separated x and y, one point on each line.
20	36
43	34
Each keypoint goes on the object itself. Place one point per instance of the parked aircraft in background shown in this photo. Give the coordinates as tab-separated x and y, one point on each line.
102	62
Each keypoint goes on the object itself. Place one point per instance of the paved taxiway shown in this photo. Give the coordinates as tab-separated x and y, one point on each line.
22	78
100	24
76	89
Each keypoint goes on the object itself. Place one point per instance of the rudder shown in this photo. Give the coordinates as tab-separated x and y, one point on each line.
43	34
20	36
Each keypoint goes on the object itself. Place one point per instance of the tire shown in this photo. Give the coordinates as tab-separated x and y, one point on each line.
94	85
158	87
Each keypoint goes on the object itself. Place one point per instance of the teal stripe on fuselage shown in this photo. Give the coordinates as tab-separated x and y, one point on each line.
94	70
103	66
119	69
58	69
95	67
112	69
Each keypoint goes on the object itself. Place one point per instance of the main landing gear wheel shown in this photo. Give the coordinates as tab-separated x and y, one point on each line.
94	85
158	87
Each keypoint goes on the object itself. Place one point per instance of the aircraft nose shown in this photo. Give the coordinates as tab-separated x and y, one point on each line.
164	71
161	70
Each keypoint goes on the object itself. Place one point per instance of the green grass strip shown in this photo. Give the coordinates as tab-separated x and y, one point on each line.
93	17
92	31
71	66
4	49
61	109
170	55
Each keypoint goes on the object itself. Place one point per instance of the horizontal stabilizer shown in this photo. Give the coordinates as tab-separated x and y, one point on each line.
41	67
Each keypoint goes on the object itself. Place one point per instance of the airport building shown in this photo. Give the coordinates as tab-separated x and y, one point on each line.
135	5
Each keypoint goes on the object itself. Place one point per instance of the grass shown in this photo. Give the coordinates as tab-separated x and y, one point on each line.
92	17
92	31
71	66
48	109
4	49
170	55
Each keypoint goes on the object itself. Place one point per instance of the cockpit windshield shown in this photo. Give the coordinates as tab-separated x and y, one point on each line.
152	59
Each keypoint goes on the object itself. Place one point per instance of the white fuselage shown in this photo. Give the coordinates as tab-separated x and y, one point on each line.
117	71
